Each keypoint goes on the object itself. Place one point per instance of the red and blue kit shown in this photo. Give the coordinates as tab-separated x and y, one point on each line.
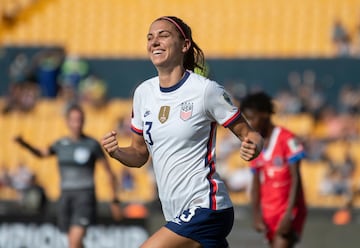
273	166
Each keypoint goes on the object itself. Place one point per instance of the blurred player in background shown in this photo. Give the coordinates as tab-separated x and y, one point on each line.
277	195
77	155
174	120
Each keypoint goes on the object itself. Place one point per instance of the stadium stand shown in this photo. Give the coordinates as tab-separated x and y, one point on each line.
113	28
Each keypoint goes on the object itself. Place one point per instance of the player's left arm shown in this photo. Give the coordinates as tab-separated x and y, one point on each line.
115	207
112	178
285	224
219	107
252	142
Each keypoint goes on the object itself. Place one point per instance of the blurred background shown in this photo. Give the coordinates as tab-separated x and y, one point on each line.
305	54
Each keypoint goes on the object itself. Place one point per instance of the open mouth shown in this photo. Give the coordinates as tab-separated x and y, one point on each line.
157	52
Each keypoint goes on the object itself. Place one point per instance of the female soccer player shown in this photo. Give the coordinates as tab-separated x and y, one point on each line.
277	195
174	120
76	155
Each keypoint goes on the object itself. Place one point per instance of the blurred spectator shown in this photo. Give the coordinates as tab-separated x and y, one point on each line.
335	125
341	39
123	127
287	103
67	94
45	69
92	91
312	96
18	69
5	180
127	180
238	90
314	148
34	198
304	94
21	178
22	92
239	180
21	97
349	99
73	70
339	181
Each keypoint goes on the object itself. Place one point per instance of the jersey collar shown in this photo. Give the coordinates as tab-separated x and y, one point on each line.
177	85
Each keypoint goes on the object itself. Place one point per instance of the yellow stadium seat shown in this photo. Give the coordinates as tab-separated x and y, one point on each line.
45	124
238	28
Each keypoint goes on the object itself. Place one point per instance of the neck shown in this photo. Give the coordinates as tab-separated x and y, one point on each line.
75	136
267	134
170	77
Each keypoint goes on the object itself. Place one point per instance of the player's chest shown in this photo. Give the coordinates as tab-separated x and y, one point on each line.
274	162
175	117
79	154
276	169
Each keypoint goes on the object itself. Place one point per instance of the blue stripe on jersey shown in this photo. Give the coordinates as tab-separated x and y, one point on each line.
177	85
296	157
209	161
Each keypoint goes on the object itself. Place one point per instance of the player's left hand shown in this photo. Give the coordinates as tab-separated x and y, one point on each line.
248	150
284	227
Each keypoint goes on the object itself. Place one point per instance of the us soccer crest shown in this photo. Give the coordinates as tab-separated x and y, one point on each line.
186	110
227	98
164	113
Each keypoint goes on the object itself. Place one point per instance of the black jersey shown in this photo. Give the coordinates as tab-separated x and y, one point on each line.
76	161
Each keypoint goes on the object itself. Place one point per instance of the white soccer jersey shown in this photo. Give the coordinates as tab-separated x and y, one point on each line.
179	127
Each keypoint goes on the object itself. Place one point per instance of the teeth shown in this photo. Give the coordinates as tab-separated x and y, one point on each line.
157	51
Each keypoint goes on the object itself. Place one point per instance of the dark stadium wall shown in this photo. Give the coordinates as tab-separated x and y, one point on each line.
272	74
122	75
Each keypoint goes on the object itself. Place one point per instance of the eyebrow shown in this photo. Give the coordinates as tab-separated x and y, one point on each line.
160	32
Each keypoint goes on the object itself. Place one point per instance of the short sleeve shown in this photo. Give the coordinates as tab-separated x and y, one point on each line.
53	147
136	121
99	153
294	150
219	106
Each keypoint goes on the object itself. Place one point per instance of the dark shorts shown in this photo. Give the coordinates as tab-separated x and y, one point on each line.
208	227
76	208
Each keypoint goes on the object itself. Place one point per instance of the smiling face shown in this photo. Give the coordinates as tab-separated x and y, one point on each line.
165	46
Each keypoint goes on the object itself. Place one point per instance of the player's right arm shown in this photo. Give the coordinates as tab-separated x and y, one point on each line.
40	153
135	155
255	203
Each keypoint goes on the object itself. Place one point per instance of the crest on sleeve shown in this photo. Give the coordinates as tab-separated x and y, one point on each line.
164	113
186	110
294	145
227	98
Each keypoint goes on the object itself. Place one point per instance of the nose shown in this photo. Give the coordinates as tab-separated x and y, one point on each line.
154	42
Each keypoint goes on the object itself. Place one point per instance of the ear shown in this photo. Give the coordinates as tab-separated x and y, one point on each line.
186	45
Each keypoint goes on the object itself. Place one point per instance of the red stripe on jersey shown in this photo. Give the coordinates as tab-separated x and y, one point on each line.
211	163
136	130
233	118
